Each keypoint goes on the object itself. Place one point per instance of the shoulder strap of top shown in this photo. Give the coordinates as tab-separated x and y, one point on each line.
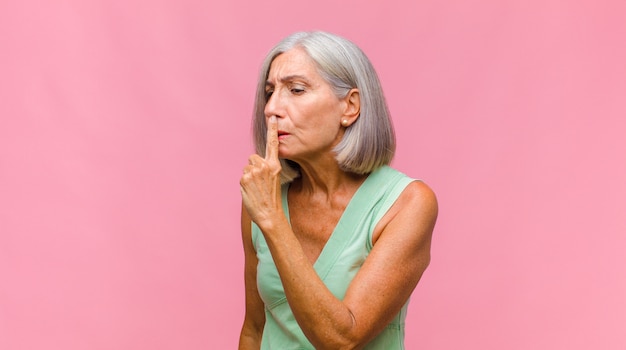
375	188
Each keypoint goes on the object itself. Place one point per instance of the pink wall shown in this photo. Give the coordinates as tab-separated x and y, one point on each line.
124	126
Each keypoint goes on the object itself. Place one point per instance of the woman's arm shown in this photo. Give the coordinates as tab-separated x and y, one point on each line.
254	319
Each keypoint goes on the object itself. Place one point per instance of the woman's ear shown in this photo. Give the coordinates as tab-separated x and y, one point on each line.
353	107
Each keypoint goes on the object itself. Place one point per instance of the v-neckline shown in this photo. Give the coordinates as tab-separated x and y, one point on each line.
334	242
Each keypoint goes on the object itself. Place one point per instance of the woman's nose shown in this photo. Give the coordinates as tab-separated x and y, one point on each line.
273	106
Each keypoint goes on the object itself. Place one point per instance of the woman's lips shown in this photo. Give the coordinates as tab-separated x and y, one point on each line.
282	134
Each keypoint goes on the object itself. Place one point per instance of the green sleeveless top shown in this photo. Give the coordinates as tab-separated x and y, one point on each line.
338	263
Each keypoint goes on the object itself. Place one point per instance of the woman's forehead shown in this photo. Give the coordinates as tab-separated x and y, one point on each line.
293	63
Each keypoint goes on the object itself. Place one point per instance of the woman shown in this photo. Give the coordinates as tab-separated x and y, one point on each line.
335	240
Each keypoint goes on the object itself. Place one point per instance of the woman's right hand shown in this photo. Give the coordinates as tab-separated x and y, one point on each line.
260	183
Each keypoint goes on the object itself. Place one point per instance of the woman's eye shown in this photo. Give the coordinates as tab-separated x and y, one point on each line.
268	94
297	91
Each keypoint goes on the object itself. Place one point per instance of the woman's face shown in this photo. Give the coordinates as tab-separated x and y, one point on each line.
307	110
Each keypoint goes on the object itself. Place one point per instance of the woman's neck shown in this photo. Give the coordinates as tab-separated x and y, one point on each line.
325	177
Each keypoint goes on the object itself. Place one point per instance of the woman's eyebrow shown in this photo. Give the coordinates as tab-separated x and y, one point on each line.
289	78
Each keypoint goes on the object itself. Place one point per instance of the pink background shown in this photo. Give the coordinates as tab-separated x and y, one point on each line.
124	126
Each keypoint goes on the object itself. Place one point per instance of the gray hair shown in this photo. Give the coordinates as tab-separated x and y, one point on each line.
369	142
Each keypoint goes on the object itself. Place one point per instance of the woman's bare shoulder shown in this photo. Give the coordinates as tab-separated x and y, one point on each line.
419	196
415	209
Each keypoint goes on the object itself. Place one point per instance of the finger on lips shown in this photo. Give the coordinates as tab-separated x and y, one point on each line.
255	161
271	148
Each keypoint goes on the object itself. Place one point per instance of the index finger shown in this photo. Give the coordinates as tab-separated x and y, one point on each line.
271	147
